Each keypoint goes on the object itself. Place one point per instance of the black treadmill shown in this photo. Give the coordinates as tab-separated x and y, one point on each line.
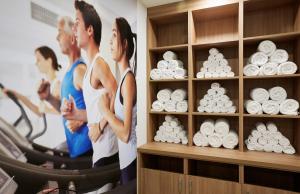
7	184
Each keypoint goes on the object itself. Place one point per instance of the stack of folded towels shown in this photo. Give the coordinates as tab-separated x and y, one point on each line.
215	66
272	101
171	131
216	134
216	101
266	137
169	68
269	61
171	101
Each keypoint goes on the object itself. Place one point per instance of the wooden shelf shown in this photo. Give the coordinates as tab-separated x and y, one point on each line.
217	114
179	47
273	116
272	76
169	113
169	80
273	37
216	44
217	78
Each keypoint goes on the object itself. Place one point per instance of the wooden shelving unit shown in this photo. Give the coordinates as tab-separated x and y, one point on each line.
235	27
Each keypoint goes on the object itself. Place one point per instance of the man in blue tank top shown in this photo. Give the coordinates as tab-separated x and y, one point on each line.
76	131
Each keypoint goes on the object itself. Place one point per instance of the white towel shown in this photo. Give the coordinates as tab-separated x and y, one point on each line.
219	56
289	149
232	109
273	141
203	102
251	70
207	127
200	140
250	146
178	129
227	69
165	124
261	127
158	106
255	133
213	51
167	74
259	95
262	141
201	108
253	107
212	92
208	109
287	68
223	62
230	140
169	129
230	74
200	75
179	95
268	148
222	127
208	75
221	91
169	118
174	123
180	73
268	47
170	106
169	55
271	127
279	56
258	58
289	107
184	140
173	64
269	68
215	75
215	140
211	58
270	107
162	64
278	94
277	148
258	147
284	141
182	106
164	95
155	74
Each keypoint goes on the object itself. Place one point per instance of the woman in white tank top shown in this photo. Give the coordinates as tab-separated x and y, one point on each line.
123	121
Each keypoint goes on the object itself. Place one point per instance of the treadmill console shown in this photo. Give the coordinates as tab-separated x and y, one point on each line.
7	184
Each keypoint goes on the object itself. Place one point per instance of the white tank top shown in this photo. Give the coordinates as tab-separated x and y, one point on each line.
106	145
127	151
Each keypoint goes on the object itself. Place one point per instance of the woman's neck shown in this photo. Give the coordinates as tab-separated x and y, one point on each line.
51	75
123	64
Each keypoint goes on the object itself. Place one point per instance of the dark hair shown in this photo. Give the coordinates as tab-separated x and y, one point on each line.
47	53
125	32
91	18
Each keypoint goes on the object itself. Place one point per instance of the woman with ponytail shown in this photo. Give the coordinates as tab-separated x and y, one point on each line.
123	119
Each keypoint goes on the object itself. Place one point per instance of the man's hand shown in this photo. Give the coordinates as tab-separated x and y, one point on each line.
74	125
69	109
94	132
44	90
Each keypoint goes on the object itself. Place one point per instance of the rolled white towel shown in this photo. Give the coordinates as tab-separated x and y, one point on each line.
207	127
278	94
289	107
165	124
201	108
200	75
221	91
259	95
170	106
231	109
277	148
216	109
208	109
215	75
271	127
208	75
212	92
213	51
255	133
262	141
268	47
184	140
258	147
175	123
227	69
200	140
284	141
287	68
173	64
222	127
223	62
268	148
276	135
176	140
289	149
269	68
259	58
253	107
157	138
178	129
230	74
182	106
180	73
273	141
182	134
270	107
169	55
219	56
158	106
211	58
164	95
203	102
230	140
167	74
251	70
228	103
162	64
215	140
250	146
169	129
219	69
155	74
261	127
179	95
223	74
169	118
279	56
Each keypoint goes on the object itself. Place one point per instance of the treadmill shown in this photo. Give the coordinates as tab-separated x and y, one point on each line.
7	184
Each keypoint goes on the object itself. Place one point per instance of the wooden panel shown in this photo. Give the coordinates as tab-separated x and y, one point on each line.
212	186
159	182
164	163
252	189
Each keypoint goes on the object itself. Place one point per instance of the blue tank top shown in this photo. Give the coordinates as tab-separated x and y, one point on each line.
78	142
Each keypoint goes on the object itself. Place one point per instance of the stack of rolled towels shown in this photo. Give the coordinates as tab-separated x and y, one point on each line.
216	101
171	101
216	134
268	60
272	101
267	138
215	66
171	131
169	68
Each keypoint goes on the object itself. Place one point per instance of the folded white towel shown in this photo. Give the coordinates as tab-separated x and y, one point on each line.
200	75
261	127
213	51
277	148
270	107
207	127
284	141
215	140
251	70
287	68
278	94
158	106
155	74
179	95
268	47
289	149
230	140
258	58
271	127
180	73
269	68
164	95
200	140
253	107
173	64
279	56
222	127
289	107
162	64
169	55
170	106
259	95
182	106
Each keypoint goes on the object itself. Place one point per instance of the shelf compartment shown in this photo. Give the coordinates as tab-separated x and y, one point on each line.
271	17
168	30
215	24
